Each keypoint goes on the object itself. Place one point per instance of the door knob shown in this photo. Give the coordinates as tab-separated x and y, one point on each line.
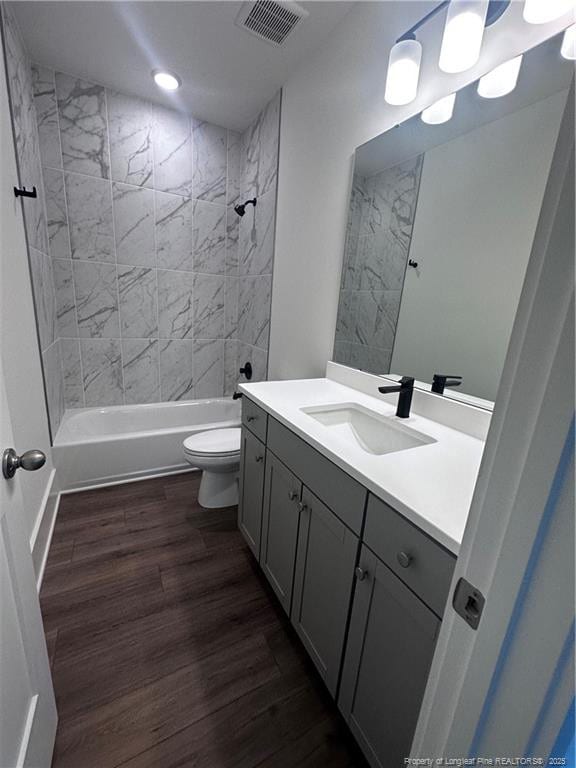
30	461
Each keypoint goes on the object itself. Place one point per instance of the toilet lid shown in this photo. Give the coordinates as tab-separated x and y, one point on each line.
214	442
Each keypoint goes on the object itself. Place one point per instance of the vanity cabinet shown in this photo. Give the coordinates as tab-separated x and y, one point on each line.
364	588
280	518
388	655
251	490
326	556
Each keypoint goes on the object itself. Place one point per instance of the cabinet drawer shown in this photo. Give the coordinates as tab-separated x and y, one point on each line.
254	418
421	563
341	493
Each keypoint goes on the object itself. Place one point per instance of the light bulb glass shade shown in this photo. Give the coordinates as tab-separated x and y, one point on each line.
501	80
403	72
166	80
542	11
439	112
568	49
463	34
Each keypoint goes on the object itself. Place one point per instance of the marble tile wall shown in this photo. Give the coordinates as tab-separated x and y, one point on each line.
37	218
161	290
379	230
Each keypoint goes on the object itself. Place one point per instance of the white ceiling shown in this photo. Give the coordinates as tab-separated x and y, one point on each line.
228	74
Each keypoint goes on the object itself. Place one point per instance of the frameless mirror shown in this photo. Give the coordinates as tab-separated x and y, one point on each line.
440	229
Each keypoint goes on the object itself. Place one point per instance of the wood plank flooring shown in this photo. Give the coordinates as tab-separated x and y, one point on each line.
168	648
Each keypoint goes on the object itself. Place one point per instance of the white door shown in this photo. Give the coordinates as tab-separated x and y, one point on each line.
27	706
506	690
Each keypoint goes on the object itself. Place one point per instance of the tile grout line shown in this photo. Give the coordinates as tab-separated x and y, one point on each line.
115	245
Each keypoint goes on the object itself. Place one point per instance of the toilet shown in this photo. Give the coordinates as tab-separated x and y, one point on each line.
217	453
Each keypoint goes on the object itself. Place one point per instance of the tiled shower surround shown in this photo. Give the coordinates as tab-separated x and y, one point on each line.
378	235
161	292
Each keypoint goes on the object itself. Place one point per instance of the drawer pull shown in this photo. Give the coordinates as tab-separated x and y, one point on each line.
250	419
259	459
404	559
361	573
293	495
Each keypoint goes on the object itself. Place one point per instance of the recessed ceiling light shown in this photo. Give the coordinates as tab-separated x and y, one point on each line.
166	80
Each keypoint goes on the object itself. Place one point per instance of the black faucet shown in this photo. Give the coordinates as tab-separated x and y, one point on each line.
441	380
406	389
236	395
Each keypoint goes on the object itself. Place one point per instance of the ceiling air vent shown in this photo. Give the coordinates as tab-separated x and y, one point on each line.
269	20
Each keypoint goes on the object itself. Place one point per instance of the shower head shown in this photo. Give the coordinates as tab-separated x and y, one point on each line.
241	209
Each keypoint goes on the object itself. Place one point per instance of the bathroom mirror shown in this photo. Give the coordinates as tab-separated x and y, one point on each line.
440	228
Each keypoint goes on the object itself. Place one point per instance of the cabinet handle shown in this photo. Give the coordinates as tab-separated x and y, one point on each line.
404	559
361	573
302	507
259	459
293	495
250	419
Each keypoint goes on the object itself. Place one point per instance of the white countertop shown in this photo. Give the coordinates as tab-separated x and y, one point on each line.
431	485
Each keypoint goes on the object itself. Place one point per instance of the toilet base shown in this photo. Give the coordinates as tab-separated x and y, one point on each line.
218	489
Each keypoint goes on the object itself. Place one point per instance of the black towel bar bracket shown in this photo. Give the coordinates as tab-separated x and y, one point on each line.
25	192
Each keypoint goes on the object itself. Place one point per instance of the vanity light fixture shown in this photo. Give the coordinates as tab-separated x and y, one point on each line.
501	80
543	11
568	49
403	72
463	34
168	81
439	112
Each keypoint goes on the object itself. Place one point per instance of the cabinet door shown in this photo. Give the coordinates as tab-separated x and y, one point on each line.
388	656
322	585
251	491
280	528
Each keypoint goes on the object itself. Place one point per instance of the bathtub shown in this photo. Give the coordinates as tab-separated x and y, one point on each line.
100	446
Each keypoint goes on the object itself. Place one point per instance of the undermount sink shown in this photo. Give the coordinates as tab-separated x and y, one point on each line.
373	432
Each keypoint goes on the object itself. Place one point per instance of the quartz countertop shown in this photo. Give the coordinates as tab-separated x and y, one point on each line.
431	485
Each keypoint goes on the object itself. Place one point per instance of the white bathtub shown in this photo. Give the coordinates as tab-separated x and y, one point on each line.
98	446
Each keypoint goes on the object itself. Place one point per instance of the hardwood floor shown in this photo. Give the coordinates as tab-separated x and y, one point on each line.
167	646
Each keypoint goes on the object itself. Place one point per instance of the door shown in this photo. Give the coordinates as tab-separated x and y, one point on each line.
251	490
323	579
27	706
280	528
518	545
388	655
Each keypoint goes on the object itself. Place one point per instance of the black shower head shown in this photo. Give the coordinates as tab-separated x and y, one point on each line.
241	209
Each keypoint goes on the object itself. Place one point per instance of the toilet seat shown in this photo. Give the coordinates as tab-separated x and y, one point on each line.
215	442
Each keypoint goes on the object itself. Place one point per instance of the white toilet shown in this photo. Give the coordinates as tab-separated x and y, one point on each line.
217	453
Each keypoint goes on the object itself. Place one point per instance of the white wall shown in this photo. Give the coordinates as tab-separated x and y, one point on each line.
333	103
472	239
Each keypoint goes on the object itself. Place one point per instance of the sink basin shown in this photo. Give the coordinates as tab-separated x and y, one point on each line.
373	432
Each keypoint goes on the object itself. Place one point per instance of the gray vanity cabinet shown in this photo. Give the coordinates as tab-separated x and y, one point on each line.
251	490
280	518
325	560
388	655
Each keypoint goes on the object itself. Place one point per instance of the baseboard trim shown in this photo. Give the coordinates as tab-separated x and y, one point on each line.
44	528
135	477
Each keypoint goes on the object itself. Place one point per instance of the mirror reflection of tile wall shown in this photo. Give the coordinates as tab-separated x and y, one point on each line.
379	229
